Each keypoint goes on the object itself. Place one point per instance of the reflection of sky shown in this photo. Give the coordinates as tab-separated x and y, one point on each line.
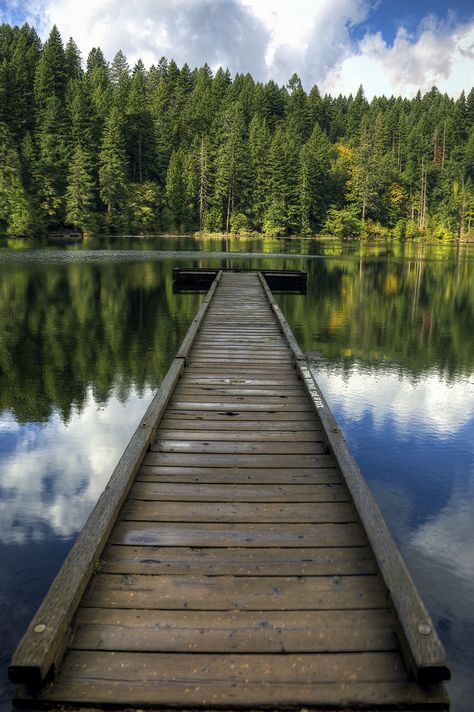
414	441
51	475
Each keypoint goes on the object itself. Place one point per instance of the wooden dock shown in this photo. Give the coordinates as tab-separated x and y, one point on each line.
236	558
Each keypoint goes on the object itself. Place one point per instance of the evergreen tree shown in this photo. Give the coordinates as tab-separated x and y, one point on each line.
230	168
113	167
80	189
282	211
15	210
314	184
258	149
51	71
51	163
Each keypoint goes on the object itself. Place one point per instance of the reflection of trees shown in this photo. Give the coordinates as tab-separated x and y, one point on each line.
68	327
417	314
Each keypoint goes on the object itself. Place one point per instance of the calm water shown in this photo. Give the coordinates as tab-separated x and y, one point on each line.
86	335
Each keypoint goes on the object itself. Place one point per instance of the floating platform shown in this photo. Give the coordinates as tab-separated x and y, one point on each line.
237	558
200	279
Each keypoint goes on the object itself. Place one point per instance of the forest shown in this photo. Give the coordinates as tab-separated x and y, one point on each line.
114	149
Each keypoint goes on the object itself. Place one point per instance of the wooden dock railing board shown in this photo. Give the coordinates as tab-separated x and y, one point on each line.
238	573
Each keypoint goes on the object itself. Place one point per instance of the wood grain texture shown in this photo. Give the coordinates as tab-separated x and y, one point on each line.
245	512
221	593
137	679
234	631
191	492
234	561
241	535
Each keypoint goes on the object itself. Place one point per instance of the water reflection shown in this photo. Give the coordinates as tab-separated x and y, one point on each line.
414	440
52	474
439	405
86	336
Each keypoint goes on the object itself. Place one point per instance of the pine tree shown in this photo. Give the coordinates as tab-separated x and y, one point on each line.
203	173
72	57
296	108
95	60
139	128
364	182
282	210
80	189
51	164
258	148
314	184
51	71
15	210
112	164
176	189
230	168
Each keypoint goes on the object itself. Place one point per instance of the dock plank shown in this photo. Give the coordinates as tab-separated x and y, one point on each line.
234	561
220	593
234	631
241	535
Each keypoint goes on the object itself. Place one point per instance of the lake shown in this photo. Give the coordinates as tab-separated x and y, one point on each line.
87	334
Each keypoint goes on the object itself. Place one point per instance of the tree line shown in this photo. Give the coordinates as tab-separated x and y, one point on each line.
110	148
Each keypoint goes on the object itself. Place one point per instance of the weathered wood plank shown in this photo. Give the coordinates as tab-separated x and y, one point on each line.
178	492
287	428
237	415
234	631
227	561
238	447
285	391
97	678
247	435
233	460
240	535
235	476
213	593
243	404
143	510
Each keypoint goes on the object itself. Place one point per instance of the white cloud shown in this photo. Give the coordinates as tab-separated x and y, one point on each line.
441	54
56	473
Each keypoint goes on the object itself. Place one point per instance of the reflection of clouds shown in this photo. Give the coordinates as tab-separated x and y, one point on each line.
441	406
449	539
441	555
56	472
436	535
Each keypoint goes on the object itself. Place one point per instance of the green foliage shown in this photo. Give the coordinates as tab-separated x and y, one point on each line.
239	224
112	161
343	222
15	210
143	207
227	154
80	189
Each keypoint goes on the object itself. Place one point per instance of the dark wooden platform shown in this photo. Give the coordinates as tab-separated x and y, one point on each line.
242	562
198	279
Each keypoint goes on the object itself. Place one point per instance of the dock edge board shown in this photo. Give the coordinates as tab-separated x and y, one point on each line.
42	647
420	645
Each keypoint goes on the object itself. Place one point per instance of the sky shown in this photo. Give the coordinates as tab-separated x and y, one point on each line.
388	46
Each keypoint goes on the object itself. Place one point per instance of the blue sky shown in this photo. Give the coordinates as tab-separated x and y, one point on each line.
389	46
387	17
